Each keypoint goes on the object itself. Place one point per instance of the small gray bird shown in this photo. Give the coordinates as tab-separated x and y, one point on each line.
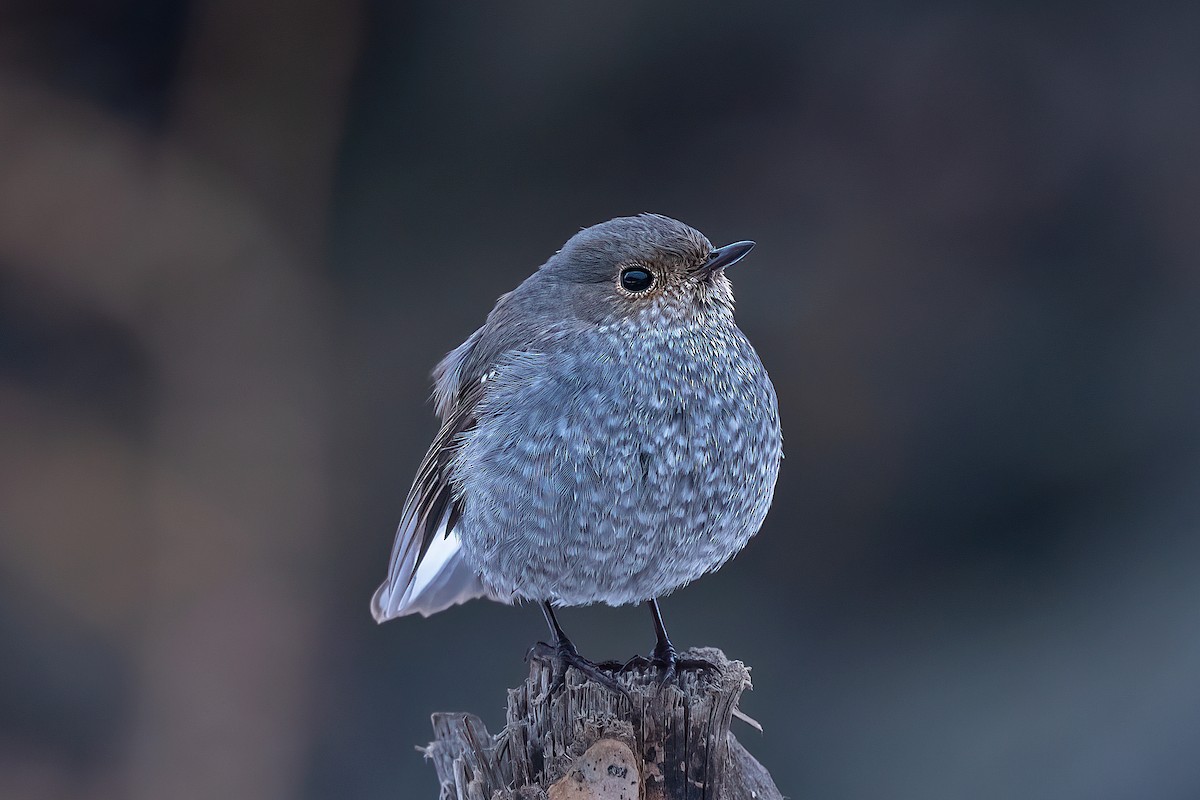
608	435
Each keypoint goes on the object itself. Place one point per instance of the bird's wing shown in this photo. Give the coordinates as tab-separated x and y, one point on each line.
427	572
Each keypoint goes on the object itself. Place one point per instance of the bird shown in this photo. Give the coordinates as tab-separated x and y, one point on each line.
607	436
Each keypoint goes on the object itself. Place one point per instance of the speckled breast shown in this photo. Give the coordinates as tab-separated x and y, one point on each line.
619	464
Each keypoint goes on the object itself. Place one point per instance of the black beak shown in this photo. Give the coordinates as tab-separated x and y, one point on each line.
726	256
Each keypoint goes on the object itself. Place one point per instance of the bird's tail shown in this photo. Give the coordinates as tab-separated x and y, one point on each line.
440	579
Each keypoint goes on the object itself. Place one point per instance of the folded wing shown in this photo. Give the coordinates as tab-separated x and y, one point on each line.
427	572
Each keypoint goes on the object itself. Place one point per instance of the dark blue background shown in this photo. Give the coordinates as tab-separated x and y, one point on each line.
235	237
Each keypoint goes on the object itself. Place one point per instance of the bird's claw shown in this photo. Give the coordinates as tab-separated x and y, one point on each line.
671	666
564	656
637	662
666	661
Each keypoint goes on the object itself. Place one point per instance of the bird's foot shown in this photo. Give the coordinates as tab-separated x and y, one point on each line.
668	663
564	656
637	662
665	660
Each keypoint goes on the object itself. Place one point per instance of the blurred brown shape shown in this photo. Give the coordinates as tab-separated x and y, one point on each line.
205	528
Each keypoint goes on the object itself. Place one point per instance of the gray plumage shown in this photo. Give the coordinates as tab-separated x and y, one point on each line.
599	443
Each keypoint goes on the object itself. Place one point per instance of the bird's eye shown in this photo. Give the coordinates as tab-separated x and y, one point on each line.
636	279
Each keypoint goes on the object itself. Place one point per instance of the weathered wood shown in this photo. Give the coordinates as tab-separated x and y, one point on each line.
590	743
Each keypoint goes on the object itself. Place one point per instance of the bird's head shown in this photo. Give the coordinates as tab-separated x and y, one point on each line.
647	267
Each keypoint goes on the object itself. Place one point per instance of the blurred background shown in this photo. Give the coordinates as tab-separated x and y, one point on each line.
235	237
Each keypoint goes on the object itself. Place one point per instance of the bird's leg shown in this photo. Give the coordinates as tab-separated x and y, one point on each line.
664	656
564	655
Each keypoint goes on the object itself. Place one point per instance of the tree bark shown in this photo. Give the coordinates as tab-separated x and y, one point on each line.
587	742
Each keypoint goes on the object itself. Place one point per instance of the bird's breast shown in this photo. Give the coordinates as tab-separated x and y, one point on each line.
633	461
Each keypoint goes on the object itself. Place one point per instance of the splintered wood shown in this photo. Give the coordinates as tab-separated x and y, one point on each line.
588	742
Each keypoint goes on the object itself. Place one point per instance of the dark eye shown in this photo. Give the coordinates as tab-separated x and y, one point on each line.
636	279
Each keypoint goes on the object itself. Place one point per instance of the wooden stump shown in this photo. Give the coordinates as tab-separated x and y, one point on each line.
590	743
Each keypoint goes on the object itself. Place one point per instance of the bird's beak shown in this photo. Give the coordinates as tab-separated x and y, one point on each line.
725	256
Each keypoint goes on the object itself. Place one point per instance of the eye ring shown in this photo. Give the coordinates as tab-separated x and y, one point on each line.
636	279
